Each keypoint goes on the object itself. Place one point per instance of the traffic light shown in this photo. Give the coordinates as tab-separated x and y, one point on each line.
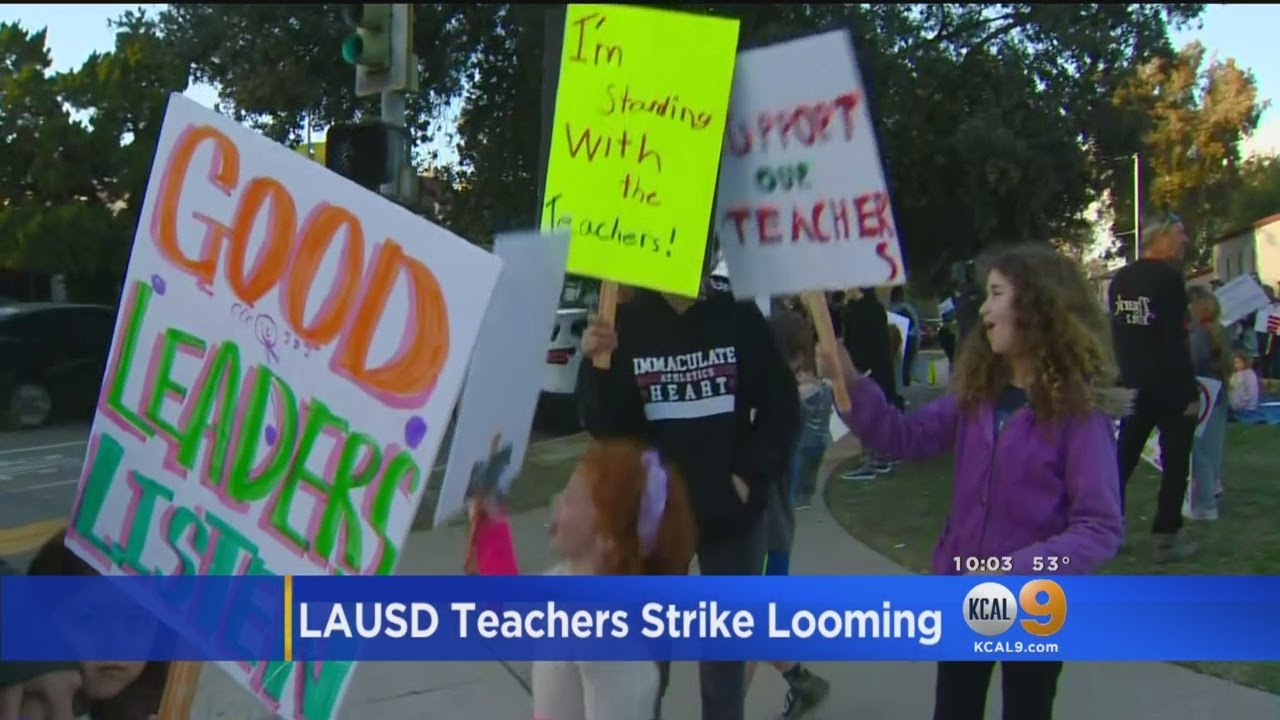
366	153
370	45
380	47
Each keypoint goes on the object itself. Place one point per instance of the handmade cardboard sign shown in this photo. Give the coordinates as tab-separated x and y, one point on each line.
285	362
496	411
803	204
1240	297
635	144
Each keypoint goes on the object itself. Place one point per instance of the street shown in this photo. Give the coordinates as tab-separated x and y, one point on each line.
39	471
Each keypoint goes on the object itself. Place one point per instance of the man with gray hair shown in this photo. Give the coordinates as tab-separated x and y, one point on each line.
1149	323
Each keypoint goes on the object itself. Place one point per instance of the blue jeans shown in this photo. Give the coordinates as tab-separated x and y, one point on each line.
805	464
1206	457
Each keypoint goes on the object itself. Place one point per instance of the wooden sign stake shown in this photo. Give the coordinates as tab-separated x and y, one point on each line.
180	690
820	312
606	314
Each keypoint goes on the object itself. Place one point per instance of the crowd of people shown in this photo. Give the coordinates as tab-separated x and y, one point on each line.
1042	377
737	406
710	422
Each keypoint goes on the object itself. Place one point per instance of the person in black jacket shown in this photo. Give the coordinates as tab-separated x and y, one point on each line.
1149	320
866	337
702	381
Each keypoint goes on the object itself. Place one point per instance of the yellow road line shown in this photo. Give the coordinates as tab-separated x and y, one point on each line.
25	538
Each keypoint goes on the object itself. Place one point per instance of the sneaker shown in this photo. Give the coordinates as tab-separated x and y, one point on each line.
804	502
884	466
864	472
807	692
1171	547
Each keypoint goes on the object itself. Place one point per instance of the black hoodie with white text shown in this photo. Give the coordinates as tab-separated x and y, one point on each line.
688	383
1149	325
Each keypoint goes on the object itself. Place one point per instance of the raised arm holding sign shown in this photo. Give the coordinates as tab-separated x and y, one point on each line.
803	205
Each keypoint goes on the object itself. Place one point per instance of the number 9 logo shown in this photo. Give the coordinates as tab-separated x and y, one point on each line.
1052	611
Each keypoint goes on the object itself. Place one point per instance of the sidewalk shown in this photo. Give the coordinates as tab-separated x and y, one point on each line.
873	690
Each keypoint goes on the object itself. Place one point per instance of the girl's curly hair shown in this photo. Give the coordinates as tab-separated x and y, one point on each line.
1061	325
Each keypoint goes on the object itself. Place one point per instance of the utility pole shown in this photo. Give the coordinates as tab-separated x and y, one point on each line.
1137	207
375	154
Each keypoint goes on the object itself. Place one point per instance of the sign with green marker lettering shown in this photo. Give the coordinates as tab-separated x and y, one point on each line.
285	362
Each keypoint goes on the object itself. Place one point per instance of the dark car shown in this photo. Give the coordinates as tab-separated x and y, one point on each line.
52	359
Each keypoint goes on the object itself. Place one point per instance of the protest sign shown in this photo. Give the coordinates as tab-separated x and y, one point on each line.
285	362
1209	389
505	377
1240	297
1267	321
903	324
803	203
836	428
635	143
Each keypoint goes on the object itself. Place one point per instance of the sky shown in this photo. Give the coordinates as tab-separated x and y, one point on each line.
1243	32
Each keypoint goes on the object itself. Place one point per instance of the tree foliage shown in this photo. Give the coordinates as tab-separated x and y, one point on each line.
77	149
1193	117
991	118
1257	194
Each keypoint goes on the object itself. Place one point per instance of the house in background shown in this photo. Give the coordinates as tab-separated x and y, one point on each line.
1251	249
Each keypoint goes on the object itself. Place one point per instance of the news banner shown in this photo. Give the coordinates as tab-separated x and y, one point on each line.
814	618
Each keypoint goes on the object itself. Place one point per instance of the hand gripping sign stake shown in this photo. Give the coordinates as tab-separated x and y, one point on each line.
820	313
606	313
180	690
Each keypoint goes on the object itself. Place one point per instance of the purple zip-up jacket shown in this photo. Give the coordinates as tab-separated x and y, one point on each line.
1032	492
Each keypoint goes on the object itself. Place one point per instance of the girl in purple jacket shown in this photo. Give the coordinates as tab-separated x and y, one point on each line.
1029	418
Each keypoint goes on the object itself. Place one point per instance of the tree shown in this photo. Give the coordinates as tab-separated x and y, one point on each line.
1193	119
1257	194
50	209
988	115
77	150
278	66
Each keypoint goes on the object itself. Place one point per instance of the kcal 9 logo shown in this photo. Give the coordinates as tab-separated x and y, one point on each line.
990	608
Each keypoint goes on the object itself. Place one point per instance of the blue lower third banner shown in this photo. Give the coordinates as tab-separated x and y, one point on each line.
640	618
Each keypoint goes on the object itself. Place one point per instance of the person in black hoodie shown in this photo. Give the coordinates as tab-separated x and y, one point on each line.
866	337
1149	321
704	382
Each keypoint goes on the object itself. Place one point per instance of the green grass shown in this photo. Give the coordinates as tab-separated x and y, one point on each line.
900	516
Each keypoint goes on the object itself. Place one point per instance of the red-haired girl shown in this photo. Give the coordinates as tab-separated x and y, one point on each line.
623	513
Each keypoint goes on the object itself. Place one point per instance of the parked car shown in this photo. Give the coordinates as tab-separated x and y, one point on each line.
564	355
52	360
929	328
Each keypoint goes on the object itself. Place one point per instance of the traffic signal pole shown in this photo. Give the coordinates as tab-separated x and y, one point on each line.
394	109
381	49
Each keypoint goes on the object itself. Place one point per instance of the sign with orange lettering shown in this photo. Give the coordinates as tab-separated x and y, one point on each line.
803	203
287	355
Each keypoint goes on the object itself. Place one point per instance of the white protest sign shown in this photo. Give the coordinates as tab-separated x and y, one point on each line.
1240	297
498	401
1268	321
1151	451
903	324
1209	389
803	203
836	427
1208	400
286	358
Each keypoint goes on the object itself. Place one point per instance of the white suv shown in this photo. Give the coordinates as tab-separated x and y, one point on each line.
564	352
